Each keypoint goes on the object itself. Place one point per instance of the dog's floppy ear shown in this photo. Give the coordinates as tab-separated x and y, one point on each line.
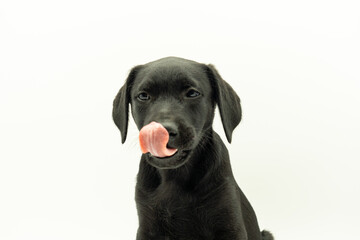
227	100
121	102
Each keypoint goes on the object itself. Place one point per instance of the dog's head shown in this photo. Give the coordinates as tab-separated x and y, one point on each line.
181	95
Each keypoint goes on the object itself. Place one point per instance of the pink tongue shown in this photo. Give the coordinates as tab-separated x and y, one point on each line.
153	138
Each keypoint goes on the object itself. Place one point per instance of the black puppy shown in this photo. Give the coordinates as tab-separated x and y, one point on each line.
192	194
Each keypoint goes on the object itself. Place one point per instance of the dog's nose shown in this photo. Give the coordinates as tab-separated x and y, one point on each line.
171	128
173	134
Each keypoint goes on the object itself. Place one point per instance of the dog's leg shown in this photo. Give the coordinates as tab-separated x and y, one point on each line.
231	236
147	235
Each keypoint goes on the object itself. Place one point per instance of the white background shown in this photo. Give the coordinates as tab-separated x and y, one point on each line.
295	65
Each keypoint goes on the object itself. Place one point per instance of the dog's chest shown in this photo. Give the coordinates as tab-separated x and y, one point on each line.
172	205
177	213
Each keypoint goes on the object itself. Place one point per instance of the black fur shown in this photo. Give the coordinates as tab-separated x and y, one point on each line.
191	195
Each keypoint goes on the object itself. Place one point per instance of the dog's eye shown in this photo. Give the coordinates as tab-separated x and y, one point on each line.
192	93
143	96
